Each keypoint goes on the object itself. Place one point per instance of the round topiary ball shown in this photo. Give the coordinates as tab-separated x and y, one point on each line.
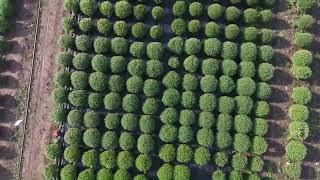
187	117
79	80
226	104
229	67
302	58
184	153
239	162
65	41
157	13
205	137
78	98
178	26
112	101
212	30
262	109
303	40
104	26
171	80
265	71
298	112
179	8
88	7
167	152
92	137
169	116
139	30
223	139
189	82
215	11
229	50
244	104
140	12
250	34
73	136
150	106
192	46
145	144
293	170
188	99
266	36
247	69
263	91
123	9
194	26
266	53
191	63
207	102
250	16
241	142
248	52
154	68
301	95
120	28
206	119
143	163
110	140
168	133
125	160
246	86
202	156
147	124
226	84
301	72
208	83
185	134
212	47
155	50
156	32
195	9
106	9
231	32
165	172
86	25
182	172
298	130
305	22
119	45
242	124
112	121
232	14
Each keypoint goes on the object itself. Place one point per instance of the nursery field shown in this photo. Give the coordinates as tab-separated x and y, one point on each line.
173	90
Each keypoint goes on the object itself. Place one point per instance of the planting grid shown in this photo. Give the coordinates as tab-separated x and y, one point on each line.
197	87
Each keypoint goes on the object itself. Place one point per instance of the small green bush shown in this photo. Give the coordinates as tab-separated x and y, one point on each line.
108	159
192	46
241	142
226	104
305	22
129	122
247	69
292	170
138	49
91	119
206	119
304	5
92	137
98	81
184	153
116	83
232	14
259	145
167	153
165	172
75	118
215	11
231	31
202	156
226	84
125	160
295	151
139	30
104	173
235	175
210	66
151	87
154	68
118	64
157	12
104	26
205	137
130	103
78	98
51	171
266	16
212	30
178	26
244	104
250	16
58	115
179	8
229	67
101	45
68	172
100	63
303	40
188	99
256	164
298	112
110	140
212	47
169	116
185	134
119	45
301	72
140	12
59	95
262	109
260	127
301	95
266	53
81	61
120	28
145	144
219	175
156	32
68	23
112	101
52	151
189	82
112	121
263	91
221	159
171	80
168	133
137	67
250	34
187	117
207	102
176	45
86	24
223	139
195	9
191	63
242	124
248	52
298	130
88	7
134	84
84	43
65	41
266	36
90	158
106	9
208	83
155	50
224	122
182	172
246	86
143	163
150	106
239	162
123	9
121	174
229	50
147	124
70	5
194	26
301	58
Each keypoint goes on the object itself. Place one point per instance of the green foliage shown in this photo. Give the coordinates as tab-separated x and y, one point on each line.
232	14
292	170
125	160
205	137
247	69
298	112
91	119
265	71
109	140
140	177
98	81
86	24
298	130
182	172
138	49
189	82
52	151
150	106
83	43
266	16
242	124
147	124
266	53
58	115
65	41
78	98
256	164
68	172
301	58
156	32
130	103
202	156
68	23
195	9
112	120
295	151
168	133
104	174
235	175
305	22
88	7
120	28
304	5
64	58
219	175
72	153
154	68
139	30
207	102
226	84
191	63
179	8
137	67
241	142
116	83
169	116
226	104
119	45
92	137
145	143
252	2
215	11
106	9
112	101
188	99
75	118
229	50
301	95
250	34
171	80
301	72
212	47
229	67
303	40
101	45
71	5
263	91
104	26
165	172
178	26
185	134
244	104
157	13
171	97
248	52
176	45
87	174
231	31
143	163
90	158
187	117
155	50
127	141
250	16
122	175
260	127
208	83
239	162
184	153
129	122
140	12
194	26
51	171
221	158
59	95
224	122
167	152
81	61
223	139
79	80
266	36
192	46
206	119
246	86
262	109
259	145
212	30
151	87
123	9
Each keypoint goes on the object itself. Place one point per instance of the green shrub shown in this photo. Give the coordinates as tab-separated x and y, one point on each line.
83	43
263	91
121	174
116	83
212	30
188	99
109	140
120	28
91	119
303	40
226	104
169	116
178	26
59	95
246	86
301	72
127	141
260	127
75	118
92	137
137	67
182	172
207	102
235	175
301	58
202	156
298	130
192	46
65	41
171	80
68	172
295	151
165	172
229	67
106	9
185	134
292	170
71	5
52	151
208	83
221	159
205	137
58	115
79	80
184	153
119	45
266	53
129	122
195	9
86	24
112	101
130	103
242	124
104	174
266	16
157	12
123	9
301	95
229	50
298	112
90	158
81	61
139	30
223	139
147	124
259	145
215	11
250	34
179	8
262	109
248	52
191	63
239	162
140	177
156	32
151	87
125	160
112	121
187	117
266	36
138	49
150	106
226	84
212	47
244	104
206	119
155	50
51	171
189	82
140	12
256	164
241	142
232	14
98	81
250	16
168	133
219	175
134	84
231	31
252	3
154	68
78	98
305	22
304	5
176	45
143	163
68	23
167	152
100	63
104	26
88	7
108	159
224	122
247	69
194	26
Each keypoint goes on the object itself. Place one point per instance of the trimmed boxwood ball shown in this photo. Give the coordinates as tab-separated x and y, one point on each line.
301	72
252	3
182	172
72	153
112	121
101	45
241	142
138	49
206	119
202	156
231	31
75	118
168	133
298	130
212	30
123	9
157	12
106	9
266	36
191	63
208	83
239	162
260	127
248	52
140	12
98	81
250	34
139	30
221	158
121	174
59	95
129	122
215	11
185	134
68	23
265	71
212	47
246	86
104	26
192	46
167	153
303	40
130	103
92	137
143	163
292	170
263	91
194	26
78	98
151	87
266	16
256	164
155	50
187	117
69	5
81	61
100	63
116	83
73	136
195	9
137	67
108	159
298	112
86	24
244	104
178	26
250	16
226	104
69	171
259	145
140	177
112	101
262	109
189	82
301	95
147	124
219	175
154	68
188	99
104	173
176	45
224	122
205	137
179	8
226	84
266	53
223	139
242	124
84	43
247	69
304	5
109	140
88	7
207	102
229	50
171	80
125	160
156	32
91	119
150	106
174	63
169	116
119	45
52	151
232	14
66	41
120	28
127	141
234	175
134	84
305	22
184	153
229	67
165	172
301	58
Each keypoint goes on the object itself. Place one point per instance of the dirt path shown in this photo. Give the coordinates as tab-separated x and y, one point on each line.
39	126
